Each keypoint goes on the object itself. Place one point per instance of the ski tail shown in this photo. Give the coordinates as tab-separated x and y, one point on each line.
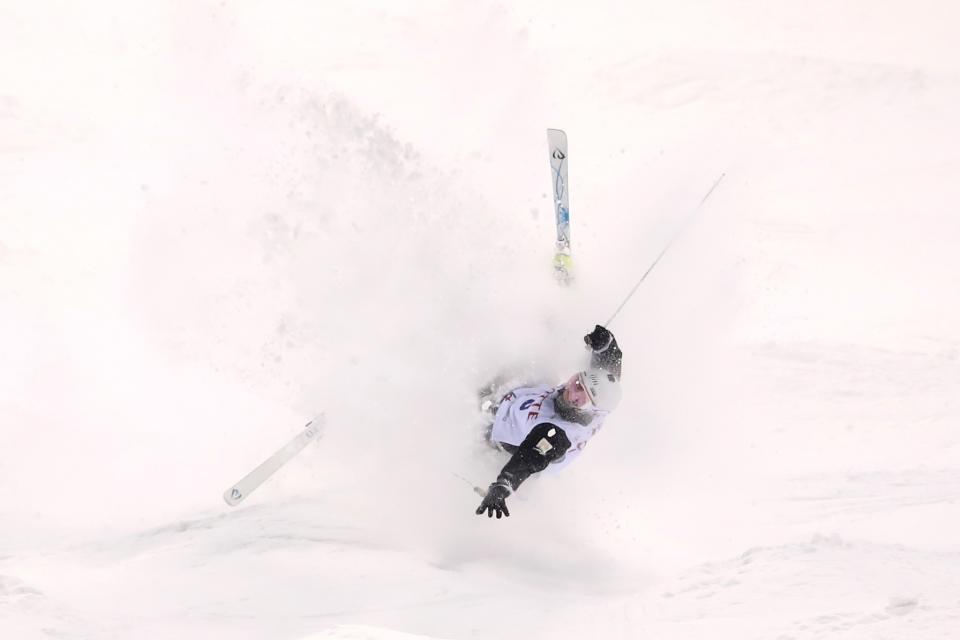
562	259
248	484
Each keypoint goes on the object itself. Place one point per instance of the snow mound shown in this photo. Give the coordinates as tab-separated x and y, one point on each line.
825	585
27	612
356	632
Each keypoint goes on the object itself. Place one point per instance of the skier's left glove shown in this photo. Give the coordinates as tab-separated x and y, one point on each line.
495	501
598	339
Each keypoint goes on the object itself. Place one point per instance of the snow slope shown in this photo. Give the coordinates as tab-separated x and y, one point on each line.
217	220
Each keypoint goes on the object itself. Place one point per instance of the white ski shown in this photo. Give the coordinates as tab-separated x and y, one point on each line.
235	494
562	259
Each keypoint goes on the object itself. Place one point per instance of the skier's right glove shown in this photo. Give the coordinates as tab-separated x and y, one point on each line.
598	339
495	501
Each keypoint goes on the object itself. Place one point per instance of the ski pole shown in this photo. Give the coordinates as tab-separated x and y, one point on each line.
480	491
672	240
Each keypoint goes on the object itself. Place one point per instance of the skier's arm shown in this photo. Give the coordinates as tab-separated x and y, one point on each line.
544	444
605	353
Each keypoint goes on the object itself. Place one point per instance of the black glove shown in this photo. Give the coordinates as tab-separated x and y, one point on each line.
495	500
598	339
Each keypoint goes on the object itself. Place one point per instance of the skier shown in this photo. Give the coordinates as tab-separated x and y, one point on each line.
550	425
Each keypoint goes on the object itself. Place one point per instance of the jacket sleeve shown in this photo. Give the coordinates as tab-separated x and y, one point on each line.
544	444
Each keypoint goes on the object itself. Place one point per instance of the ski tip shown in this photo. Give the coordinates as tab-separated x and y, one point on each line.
233	496
557	137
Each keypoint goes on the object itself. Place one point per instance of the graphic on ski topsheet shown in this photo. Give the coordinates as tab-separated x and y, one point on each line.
562	257
557	141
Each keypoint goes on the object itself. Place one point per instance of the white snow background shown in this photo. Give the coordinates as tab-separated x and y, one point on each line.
218	219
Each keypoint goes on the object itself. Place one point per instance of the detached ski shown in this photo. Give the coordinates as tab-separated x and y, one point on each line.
562	258
248	484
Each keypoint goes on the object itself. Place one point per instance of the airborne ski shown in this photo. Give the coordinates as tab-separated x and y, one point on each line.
246	485
562	257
